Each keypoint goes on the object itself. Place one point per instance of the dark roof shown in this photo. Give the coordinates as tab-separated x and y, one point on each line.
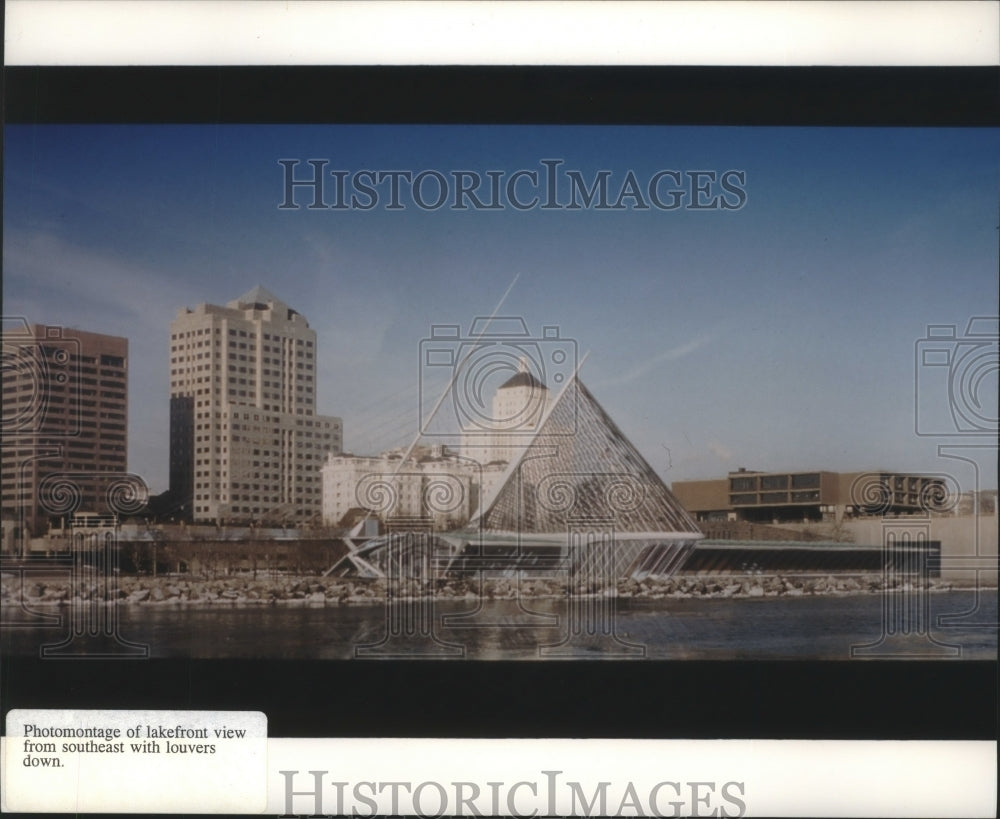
522	379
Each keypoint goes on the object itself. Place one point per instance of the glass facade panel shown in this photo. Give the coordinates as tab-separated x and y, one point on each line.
580	466
580	479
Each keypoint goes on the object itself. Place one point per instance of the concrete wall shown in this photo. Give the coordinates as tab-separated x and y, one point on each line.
968	543
214	558
743	530
702	496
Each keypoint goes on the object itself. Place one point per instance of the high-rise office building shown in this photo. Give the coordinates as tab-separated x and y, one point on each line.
246	444
65	418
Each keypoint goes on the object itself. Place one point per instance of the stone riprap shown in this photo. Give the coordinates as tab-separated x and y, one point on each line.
288	590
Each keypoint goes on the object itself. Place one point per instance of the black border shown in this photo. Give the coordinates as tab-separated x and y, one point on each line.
676	700
832	700
956	96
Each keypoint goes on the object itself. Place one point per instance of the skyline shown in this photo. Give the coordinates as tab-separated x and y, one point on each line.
780	335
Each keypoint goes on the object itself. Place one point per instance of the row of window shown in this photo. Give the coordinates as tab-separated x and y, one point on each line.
302	409
224	497
104	372
113	383
237	485
101	461
216	391
749	483
233	333
243	452
56	394
256	510
770	498
300	438
189	366
304	361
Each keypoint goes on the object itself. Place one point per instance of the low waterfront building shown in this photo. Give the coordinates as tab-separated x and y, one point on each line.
814	496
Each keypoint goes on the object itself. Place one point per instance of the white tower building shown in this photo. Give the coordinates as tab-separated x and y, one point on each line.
519	405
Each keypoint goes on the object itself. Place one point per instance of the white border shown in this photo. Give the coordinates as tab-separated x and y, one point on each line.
779	777
518	32
388	32
791	778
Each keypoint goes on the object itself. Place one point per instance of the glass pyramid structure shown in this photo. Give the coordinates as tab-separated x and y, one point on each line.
580	466
580	499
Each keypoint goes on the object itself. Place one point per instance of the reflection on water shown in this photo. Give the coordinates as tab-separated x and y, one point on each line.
806	628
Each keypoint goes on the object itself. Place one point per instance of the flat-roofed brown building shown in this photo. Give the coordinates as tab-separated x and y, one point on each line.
785	497
65	420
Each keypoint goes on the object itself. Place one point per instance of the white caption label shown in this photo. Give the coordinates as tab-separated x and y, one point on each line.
136	761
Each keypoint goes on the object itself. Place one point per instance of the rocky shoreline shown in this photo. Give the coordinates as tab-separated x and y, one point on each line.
319	591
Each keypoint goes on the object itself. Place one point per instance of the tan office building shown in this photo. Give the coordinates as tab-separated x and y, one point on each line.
65	425
246	444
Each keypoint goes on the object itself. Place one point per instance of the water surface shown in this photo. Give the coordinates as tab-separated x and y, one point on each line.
960	625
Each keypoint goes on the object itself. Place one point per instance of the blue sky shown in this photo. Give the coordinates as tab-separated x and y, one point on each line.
777	336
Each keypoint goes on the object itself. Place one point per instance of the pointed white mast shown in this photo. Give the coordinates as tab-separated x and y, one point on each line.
451	382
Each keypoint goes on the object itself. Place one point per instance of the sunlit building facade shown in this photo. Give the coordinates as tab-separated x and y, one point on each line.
65	424
246	443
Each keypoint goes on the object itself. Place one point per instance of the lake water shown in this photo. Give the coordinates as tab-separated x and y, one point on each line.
960	625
